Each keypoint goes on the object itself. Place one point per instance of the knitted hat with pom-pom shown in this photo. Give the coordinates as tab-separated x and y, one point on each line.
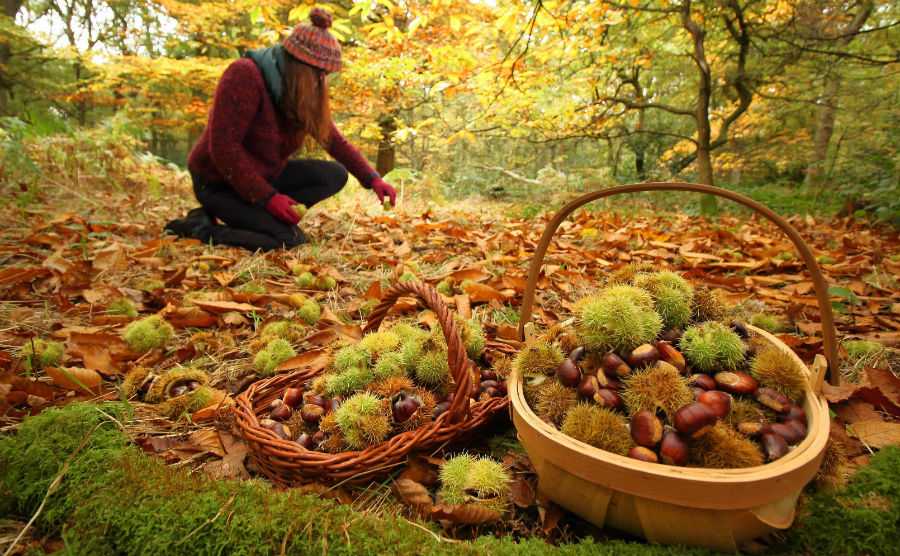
313	44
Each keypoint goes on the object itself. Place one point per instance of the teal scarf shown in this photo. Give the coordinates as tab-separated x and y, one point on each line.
270	62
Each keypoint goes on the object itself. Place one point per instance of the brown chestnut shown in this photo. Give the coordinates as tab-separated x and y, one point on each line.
646	429
577	353
799	427
193	385
703	381
794	413
316	399
697	392
178	390
792	431
488	374
568	373
719	402
485	384
588	386
404	406
736	382
773	399
306	441
670	355
611	383
740	329
774	446
608	398
750	428
643	454
614	366
672	335
281	413
439	409
311	413
644	355
281	430
673	450
694	419
293	397
318	437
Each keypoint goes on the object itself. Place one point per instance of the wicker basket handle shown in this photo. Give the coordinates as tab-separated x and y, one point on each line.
456	351
829	334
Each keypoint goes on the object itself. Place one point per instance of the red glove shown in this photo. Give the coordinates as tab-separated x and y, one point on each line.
384	189
279	206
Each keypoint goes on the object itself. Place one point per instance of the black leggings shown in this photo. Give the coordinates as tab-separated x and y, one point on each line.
251	226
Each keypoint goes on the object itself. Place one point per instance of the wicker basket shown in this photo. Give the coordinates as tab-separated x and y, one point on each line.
714	508
287	463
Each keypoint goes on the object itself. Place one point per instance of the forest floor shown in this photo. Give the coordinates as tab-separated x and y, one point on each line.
66	260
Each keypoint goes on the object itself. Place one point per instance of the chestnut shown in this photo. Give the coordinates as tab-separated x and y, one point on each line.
311	413
718	401
736	382
703	381
773	399
750	428
305	441
318	437
799	427
488	374
611	383
643	454
588	386
646	429
740	329
178	390
673	450
614	366
774	446
672	335
644	355
404	407
697	392
281	413
293	397
608	398
193	385
792	434
671	355
694	419
794	413
439	409
333	404
568	373
485	384
577	353
281	430
316	399
275	403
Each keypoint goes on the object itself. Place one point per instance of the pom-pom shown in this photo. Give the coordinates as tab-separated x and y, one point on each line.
660	387
712	346
364	420
320	18
148	333
776	369
37	354
598	426
554	400
538	357
618	318
724	448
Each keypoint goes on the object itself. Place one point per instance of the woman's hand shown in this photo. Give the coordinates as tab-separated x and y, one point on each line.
384	189
279	206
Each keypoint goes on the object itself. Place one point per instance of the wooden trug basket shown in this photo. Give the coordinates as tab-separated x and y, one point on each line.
287	463
715	508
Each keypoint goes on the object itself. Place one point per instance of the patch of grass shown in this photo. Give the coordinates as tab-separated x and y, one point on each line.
116	500
862	518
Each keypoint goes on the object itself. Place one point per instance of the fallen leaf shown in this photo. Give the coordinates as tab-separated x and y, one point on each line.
479	293
474	274
521	493
191	317
855	411
420	470
414	494
226	306
876	433
465	514
314	359
75	378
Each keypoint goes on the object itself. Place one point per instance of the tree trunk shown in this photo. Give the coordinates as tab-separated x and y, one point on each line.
10	9
386	151
826	113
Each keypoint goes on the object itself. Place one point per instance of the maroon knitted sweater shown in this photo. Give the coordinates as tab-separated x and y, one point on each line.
247	142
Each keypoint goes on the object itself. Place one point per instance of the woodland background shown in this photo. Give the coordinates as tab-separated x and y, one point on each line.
792	102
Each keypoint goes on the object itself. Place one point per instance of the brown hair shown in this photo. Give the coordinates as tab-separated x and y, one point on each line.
305	102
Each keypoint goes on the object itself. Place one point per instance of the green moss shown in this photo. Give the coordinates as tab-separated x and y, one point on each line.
364	420
275	353
309	312
122	306
148	333
712	346
859	349
37	354
618	318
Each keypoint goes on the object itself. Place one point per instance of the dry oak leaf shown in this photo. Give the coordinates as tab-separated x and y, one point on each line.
314	359
465	514
75	378
876	433
483	293
226	306
521	493
414	494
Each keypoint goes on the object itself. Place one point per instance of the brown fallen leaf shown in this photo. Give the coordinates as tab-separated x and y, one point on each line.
420	470
475	274
521	493
876	433
314	359
414	494
855	411
465	514
75	378
480	293
191	317
549	513
226	306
